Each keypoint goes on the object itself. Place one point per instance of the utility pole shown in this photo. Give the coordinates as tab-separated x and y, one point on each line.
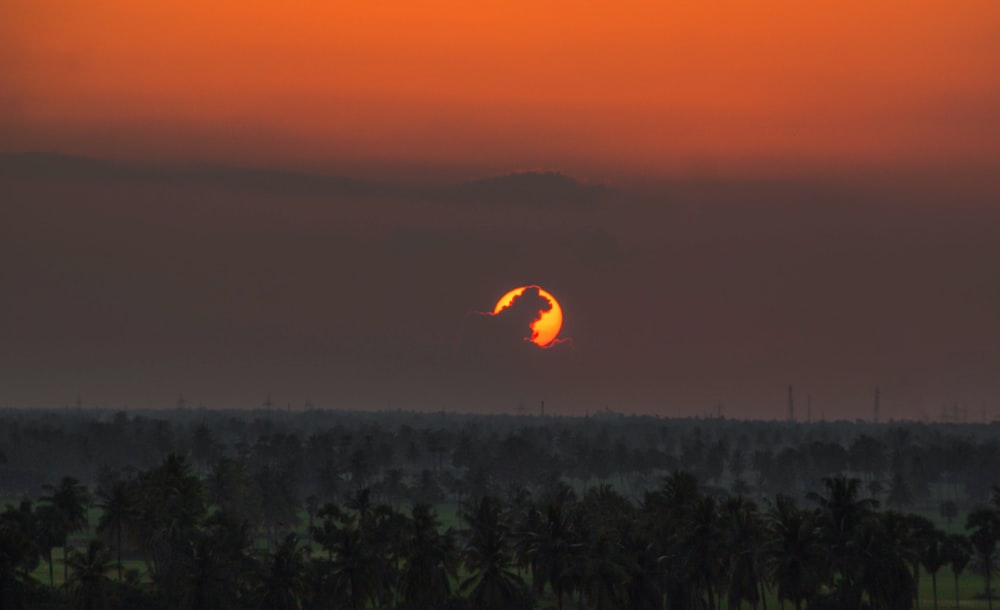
267	403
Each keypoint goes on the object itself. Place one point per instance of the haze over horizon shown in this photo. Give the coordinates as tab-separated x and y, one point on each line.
224	200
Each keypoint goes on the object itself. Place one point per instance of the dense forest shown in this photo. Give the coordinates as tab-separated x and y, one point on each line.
320	509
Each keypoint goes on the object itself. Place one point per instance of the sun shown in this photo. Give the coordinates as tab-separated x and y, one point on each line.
545	328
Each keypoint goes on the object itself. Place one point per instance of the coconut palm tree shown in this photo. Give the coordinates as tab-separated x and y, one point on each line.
667	512
90	585
702	547
742	535
18	557
793	552
215	573
117	512
430	559
493	583
170	506
921	533
552	548
382	535
958	551
886	555
603	571
281	586
71	498
933	556
842	514
353	566
985	526
51	528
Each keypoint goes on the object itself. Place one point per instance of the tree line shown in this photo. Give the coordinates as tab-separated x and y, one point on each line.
144	500
430	457
681	546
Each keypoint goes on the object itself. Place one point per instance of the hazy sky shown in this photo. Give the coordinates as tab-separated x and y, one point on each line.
600	89
796	192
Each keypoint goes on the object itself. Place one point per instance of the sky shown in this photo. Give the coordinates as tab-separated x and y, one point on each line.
319	200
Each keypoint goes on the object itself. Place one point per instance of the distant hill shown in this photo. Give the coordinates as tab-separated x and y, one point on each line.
528	189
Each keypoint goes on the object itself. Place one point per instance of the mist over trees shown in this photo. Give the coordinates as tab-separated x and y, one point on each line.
270	509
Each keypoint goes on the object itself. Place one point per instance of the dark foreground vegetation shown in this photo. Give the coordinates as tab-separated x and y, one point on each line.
198	509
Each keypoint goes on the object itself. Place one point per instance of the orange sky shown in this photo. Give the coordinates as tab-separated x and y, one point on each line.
600	89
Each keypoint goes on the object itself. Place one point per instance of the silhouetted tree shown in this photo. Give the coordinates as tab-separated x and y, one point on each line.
430	560
117	506
51	527
18	557
794	557
70	498
219	565
90	586
841	516
281	585
933	556
742	537
958	551
553	546
984	524
170	506
492	583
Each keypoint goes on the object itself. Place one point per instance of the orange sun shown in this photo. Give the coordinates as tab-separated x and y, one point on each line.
546	327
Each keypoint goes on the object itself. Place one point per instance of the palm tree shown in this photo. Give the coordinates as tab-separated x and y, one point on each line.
701	545
793	552
354	567
551	549
932	550
70	498
170	506
383	534
667	512
18	557
958	551
604	571
219	563
493	584
841	516
281	587
51	533
985	526
886	556
90	585
117	511
742	536
430	559
922	533
641	561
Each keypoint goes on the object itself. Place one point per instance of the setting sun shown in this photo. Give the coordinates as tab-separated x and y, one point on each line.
545	328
